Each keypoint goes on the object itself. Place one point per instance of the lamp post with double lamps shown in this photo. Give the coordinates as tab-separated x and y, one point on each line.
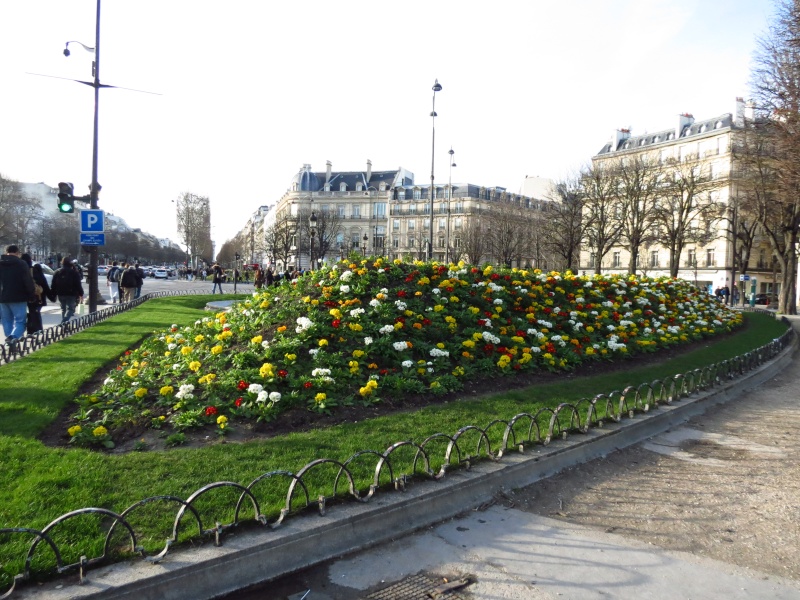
436	88
449	199
312	228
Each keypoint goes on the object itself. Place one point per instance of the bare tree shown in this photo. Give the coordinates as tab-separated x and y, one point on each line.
194	225
685	212
474	241
771	143
602	212
564	227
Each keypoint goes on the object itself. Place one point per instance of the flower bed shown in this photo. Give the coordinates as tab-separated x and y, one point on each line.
357	332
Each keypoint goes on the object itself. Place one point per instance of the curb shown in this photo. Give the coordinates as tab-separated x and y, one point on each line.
251	557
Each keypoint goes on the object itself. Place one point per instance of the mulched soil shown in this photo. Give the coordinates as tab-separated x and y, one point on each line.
300	419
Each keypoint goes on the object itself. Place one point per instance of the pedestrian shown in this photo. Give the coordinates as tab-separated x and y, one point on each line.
129	281
217	277
726	294
140	273
40	294
269	278
16	289
67	288
258	277
112	279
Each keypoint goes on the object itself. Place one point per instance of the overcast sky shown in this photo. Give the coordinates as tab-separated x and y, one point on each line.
251	90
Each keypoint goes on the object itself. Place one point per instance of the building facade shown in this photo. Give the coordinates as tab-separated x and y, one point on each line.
709	260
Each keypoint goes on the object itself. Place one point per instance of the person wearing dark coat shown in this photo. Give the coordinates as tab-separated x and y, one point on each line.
16	289
67	287
40	299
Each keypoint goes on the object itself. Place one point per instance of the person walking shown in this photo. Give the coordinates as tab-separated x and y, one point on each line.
258	277
129	281
112	278
16	289
217	277
270	278
67	288
41	293
140	273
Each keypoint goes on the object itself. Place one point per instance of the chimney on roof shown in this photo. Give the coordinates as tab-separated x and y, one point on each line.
620	135
369	170
328	166
684	120
738	116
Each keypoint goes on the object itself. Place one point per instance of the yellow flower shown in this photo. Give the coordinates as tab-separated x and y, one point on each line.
266	370
320	397
99	431
322	343
194	366
166	390
132	372
291	357
74	430
440	346
438	308
217	349
468	343
167	353
199	338
222	419
358	353
140	393
186	350
257	339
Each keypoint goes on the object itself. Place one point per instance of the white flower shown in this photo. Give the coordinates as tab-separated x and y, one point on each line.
255	388
313	351
262	396
345	276
265	344
172	346
303	323
488	337
320	372
407	364
344	289
177	366
438	352
275	396
400	305
356	312
367	341
436	291
386	329
374	303
400	345
497	301
108	381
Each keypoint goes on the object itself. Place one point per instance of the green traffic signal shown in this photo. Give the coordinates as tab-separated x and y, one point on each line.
66	199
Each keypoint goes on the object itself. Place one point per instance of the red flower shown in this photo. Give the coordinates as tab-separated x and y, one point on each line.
426	321
488	348
238	402
383	371
283	373
127	352
242	385
336	323
211	411
516	367
520	333
481	322
401	294
307	384
494	276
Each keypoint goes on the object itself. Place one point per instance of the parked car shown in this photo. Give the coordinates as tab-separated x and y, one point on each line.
103	269
766	299
160	274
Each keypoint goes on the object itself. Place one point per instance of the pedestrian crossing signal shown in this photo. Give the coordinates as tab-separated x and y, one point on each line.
66	199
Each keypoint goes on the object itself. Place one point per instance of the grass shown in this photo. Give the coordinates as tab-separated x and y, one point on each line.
38	483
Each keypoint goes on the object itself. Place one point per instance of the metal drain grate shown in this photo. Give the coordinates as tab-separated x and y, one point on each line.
416	587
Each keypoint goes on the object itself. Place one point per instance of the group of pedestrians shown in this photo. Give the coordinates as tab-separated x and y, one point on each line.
24	290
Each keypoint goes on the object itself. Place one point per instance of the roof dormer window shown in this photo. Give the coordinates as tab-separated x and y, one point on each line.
343	187
359	187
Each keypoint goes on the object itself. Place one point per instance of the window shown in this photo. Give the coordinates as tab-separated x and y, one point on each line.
592	258
440	242
411	241
382	186
710	258
426	224
359	187
417	194
395	224
355	241
457	223
401	194
412	210
343	187
379	210
356	211
412	224
395	242
340	210
327	187
653	259
616	262
691	260
442	224
324	208
457	242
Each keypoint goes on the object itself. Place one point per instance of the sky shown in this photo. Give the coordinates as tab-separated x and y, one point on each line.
243	93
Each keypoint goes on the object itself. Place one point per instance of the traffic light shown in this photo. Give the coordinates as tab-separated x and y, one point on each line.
66	199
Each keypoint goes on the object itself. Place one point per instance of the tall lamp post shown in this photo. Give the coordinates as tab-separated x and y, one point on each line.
95	187
312	228
449	198
436	88
364	244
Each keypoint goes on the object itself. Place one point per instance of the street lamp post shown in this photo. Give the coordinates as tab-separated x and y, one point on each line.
94	294
312	228
449	199
364	241
436	88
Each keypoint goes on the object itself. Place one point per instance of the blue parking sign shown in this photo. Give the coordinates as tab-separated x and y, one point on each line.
92	221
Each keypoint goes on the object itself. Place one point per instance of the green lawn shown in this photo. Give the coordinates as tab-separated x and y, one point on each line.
38	483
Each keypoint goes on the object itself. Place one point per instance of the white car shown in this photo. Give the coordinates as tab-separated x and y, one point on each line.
160	274
48	273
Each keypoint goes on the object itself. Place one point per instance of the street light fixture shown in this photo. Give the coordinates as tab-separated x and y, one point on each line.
449	198
364	244
436	88
312	227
